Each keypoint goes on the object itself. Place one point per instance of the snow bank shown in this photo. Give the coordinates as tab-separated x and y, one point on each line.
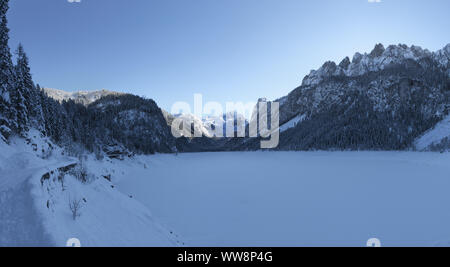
108	217
434	136
19	159
292	123
35	212
20	225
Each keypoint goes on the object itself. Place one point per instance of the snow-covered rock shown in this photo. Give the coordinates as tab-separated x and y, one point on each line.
81	97
435	135
292	123
376	60
443	56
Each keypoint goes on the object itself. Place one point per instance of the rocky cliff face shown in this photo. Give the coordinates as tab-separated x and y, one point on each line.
380	59
80	97
380	100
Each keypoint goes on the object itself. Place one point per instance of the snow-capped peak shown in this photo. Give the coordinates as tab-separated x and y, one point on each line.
443	56
376	60
81	97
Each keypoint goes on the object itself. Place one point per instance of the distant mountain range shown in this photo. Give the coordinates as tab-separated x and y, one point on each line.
80	97
383	100
388	99
394	98
204	125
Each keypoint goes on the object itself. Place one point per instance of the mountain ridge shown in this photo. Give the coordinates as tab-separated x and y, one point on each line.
381	100
81	97
378	59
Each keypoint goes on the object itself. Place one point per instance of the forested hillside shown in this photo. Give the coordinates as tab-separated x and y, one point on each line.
113	123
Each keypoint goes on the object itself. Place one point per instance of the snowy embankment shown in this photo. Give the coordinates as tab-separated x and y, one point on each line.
435	135
298	198
292	123
20	225
107	217
35	196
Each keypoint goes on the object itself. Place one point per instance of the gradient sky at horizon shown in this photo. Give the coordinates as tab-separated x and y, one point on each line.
228	50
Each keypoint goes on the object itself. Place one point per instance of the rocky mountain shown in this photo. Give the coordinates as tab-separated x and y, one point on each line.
379	59
105	121
384	99
80	97
209	127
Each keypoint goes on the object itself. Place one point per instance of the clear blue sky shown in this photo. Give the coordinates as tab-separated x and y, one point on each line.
228	50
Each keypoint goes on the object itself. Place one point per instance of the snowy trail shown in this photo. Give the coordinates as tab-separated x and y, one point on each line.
14	177
20	224
36	213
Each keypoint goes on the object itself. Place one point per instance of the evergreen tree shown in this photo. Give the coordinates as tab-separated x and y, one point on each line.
31	93
8	117
23	89
37	110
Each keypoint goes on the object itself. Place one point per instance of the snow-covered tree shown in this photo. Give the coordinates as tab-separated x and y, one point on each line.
21	97
37	110
29	92
8	115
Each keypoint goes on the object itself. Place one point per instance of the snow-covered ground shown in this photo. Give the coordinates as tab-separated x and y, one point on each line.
296	198
20	224
435	135
35	212
226	199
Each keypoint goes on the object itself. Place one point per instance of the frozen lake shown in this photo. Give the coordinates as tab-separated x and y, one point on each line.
298	198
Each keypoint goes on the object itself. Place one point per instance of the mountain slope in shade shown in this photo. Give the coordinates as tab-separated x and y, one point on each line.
103	121
381	100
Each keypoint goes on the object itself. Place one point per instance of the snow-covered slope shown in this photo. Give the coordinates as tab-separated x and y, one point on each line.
209	126
237	120
435	135
81	97
256	199
37	182
20	224
377	60
108	217
292	123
